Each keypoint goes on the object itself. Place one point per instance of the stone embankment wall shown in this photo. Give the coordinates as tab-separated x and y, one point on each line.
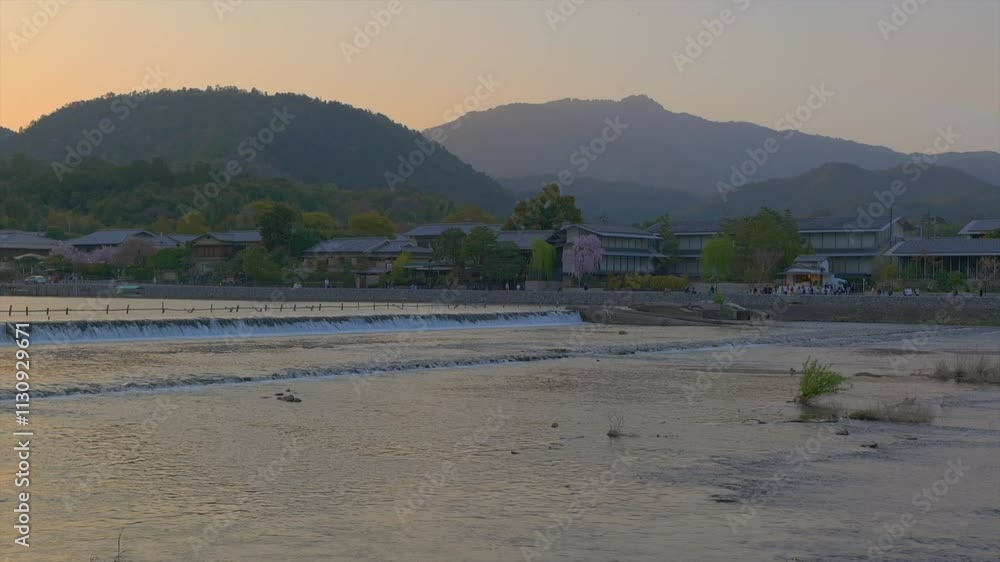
944	310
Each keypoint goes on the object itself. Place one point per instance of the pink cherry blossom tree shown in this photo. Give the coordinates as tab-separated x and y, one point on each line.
587	254
74	255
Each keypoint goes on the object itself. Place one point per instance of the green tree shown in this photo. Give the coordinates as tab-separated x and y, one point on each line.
399	274
885	271
717	257
448	247
259	266
543	260
177	259
477	245
470	213
302	237
250	214
764	243
668	245
371	224
276	226
503	263
546	211
321	223
55	262
192	223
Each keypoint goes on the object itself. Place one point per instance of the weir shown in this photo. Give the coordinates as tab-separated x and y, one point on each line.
90	331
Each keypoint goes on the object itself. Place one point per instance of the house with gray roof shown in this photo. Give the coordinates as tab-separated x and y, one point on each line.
368	258
425	234
692	235
116	237
979	228
14	243
183	239
337	247
809	270
627	250
213	248
851	245
929	257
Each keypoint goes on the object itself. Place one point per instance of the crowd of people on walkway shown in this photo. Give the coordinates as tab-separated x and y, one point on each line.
827	289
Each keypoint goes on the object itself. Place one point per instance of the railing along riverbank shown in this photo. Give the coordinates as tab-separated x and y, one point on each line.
927	309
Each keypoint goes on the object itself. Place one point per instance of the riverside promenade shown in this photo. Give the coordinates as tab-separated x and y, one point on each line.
927	309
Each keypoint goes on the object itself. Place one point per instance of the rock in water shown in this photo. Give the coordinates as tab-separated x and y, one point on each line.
872	445
842	431
555	424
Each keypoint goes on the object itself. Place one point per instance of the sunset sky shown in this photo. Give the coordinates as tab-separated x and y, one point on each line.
940	68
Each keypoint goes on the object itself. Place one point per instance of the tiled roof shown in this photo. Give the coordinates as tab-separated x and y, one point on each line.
797	268
108	237
810	259
165	241
347	245
118	237
849	252
183	238
365	246
980	226
616	230
21	240
524	239
439	229
397	246
947	247
236	236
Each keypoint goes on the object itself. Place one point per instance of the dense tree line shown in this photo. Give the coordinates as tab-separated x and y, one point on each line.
151	195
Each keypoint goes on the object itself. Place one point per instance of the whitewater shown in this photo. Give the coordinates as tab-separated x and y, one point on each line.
92	331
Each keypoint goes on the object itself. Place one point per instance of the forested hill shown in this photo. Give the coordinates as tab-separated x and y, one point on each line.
152	195
287	135
6	135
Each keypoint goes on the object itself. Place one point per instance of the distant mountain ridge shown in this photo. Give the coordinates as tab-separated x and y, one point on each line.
632	202
841	189
325	141
984	165
657	148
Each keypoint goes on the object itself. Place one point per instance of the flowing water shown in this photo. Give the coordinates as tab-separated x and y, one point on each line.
448	434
